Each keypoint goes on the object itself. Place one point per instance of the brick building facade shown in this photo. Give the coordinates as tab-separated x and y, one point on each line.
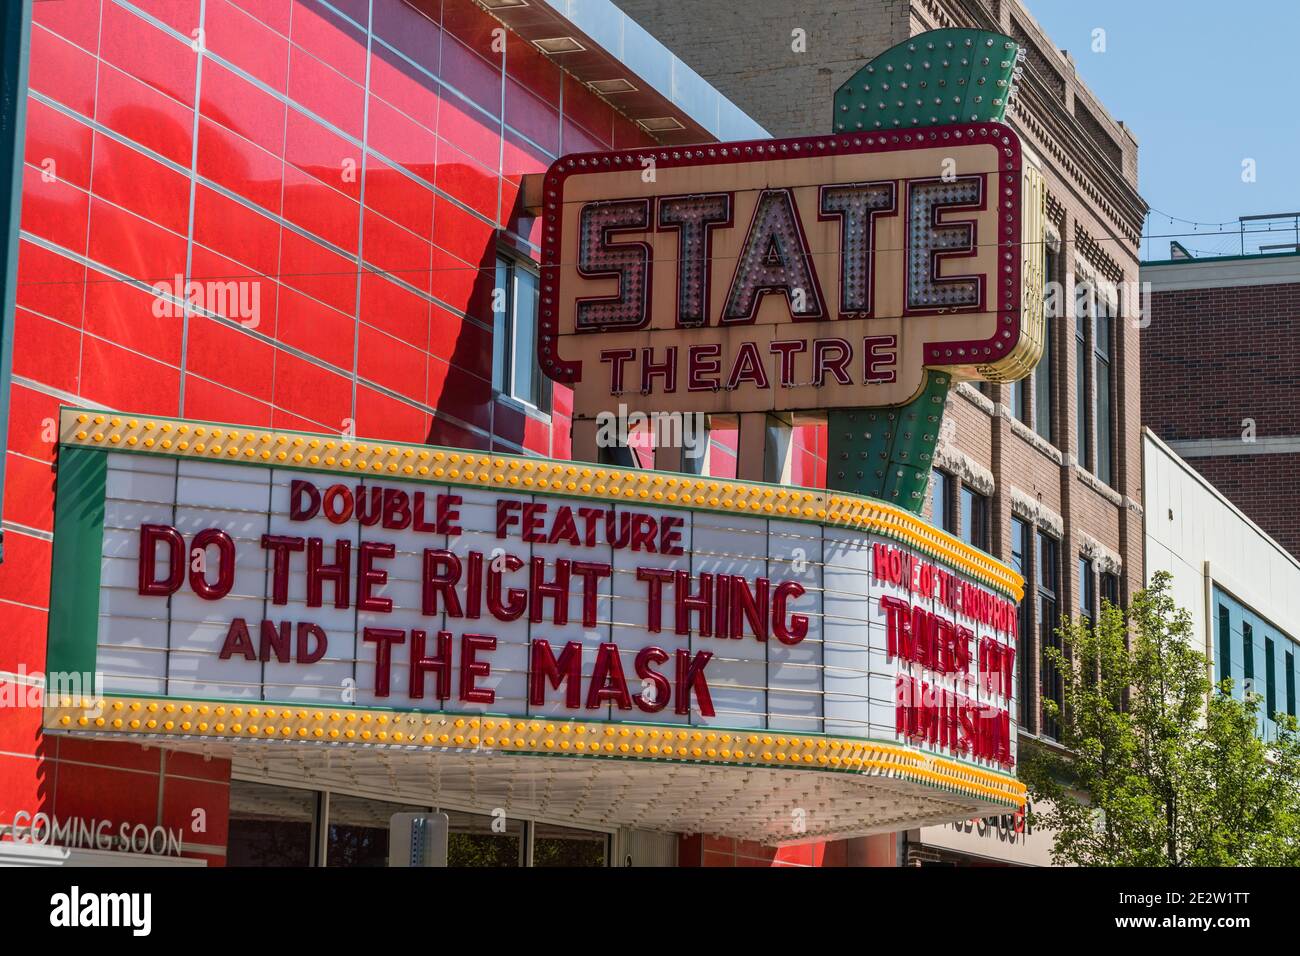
1030	458
1222	328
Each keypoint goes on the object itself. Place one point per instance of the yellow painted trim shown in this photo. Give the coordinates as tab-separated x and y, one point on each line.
151	718
208	441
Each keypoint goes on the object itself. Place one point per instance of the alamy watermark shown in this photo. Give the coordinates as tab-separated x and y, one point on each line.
621	428
1129	300
24	688
237	299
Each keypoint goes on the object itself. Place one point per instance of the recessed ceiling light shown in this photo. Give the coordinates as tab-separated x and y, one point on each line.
503	4
661	124
559	45
616	85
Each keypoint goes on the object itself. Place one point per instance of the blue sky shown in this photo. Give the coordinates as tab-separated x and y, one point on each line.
1204	85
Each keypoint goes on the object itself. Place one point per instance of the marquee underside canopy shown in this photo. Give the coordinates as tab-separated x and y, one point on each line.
771	806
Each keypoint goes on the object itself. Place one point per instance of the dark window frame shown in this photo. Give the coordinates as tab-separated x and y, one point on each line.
1087	590
948	520
1247	657
505	332
1089	610
1225	643
1104	312
1270	679
1047	589
1109	590
1084	298
1022	559
978	534
1044	404
1290	682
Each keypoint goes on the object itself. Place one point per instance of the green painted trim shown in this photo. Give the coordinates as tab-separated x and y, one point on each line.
78	546
15	51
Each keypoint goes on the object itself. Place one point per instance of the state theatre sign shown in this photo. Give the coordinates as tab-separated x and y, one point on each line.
791	275
604	645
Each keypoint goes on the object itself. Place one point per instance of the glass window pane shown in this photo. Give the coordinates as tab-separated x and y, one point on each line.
1290	683
939	499
1248	651
974	518
1018	534
1052	685
1081	423
1086	607
500	326
473	841
1225	643
967	515
1049	677
1020	560
566	846
1016	400
269	825
524	342
1270	680
1046	563
1043	384
1051	289
1105	447
1105	322
358	830
1110	588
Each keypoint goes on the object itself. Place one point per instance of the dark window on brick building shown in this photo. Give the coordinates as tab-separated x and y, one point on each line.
1087	603
974	518
1110	588
1088	613
941	509
1083	299
1043	417
1102	351
1022	556
1016	400
1046	581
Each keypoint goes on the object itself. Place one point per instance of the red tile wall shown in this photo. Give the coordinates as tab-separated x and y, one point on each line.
295	156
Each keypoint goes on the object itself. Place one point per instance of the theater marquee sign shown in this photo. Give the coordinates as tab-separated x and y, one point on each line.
257	588
791	275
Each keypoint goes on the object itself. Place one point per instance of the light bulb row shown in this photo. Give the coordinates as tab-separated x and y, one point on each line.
546	736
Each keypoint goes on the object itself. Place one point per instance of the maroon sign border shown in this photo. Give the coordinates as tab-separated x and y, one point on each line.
941	353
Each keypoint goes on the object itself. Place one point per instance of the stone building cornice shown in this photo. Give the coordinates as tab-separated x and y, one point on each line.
1116	200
